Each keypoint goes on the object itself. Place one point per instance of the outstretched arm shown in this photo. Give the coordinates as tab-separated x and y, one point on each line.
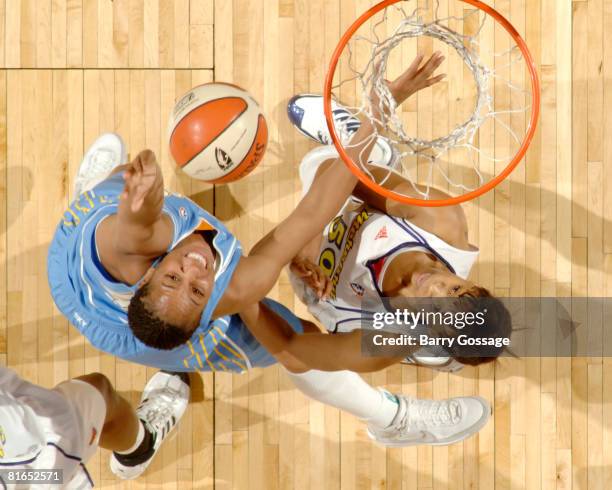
139	232
301	352
140	226
447	222
257	273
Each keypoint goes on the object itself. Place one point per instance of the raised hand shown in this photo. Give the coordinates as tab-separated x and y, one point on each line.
418	76
142	178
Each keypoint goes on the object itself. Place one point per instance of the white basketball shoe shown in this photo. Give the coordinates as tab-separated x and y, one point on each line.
306	113
164	401
433	422
105	153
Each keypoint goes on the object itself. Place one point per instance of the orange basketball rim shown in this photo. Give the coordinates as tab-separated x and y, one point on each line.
485	187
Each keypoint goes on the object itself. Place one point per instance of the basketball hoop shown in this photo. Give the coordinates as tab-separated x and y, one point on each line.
491	137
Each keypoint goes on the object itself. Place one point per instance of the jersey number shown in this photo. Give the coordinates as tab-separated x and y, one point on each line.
335	235
337	231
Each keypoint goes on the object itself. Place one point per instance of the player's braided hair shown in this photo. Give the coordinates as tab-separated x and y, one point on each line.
149	328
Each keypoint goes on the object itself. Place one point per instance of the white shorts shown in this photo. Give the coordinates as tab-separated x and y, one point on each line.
90	407
56	429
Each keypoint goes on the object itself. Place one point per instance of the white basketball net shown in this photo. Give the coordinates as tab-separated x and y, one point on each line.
367	60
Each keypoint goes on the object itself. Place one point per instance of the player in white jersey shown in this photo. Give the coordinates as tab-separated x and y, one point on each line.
59	429
376	249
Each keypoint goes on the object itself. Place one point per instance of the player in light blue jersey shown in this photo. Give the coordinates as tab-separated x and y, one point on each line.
153	278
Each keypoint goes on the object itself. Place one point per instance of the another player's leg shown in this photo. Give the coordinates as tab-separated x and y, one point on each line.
105	153
136	436
120	424
394	419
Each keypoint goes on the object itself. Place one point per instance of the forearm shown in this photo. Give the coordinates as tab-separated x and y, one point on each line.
336	352
311	250
272	331
300	352
329	191
143	197
401	185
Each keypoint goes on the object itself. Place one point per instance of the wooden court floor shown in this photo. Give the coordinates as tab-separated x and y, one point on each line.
71	69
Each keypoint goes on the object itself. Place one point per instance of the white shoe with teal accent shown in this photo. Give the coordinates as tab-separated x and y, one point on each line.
433	422
105	153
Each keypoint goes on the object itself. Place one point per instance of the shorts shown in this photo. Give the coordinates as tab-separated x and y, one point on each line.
89	407
62	427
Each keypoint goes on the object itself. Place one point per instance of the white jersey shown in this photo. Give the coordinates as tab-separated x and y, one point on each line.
356	249
36	432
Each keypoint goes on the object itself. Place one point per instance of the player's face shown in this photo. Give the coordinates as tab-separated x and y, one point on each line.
183	281
435	281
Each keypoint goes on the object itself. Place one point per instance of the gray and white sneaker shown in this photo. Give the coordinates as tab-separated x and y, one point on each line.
105	153
433	422
164	401
306	112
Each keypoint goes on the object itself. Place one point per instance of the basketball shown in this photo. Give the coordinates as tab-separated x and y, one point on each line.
217	133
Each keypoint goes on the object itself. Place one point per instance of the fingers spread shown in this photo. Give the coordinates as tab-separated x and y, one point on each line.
414	67
434	61
434	80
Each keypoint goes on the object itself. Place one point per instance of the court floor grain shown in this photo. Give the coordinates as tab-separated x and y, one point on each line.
71	69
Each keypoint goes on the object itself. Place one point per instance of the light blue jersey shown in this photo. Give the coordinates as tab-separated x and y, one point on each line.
97	304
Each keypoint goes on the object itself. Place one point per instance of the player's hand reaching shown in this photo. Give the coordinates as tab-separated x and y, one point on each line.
418	76
142	230
143	181
312	275
257	273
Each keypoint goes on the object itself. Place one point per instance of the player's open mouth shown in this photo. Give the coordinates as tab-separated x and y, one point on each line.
200	259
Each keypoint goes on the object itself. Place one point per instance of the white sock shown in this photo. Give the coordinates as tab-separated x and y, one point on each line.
348	391
139	438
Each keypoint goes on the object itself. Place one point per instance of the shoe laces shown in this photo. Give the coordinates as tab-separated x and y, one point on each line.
103	158
346	125
156	410
425	414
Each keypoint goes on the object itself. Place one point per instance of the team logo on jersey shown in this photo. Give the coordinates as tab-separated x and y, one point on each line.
357	289
182	212
223	159
382	233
